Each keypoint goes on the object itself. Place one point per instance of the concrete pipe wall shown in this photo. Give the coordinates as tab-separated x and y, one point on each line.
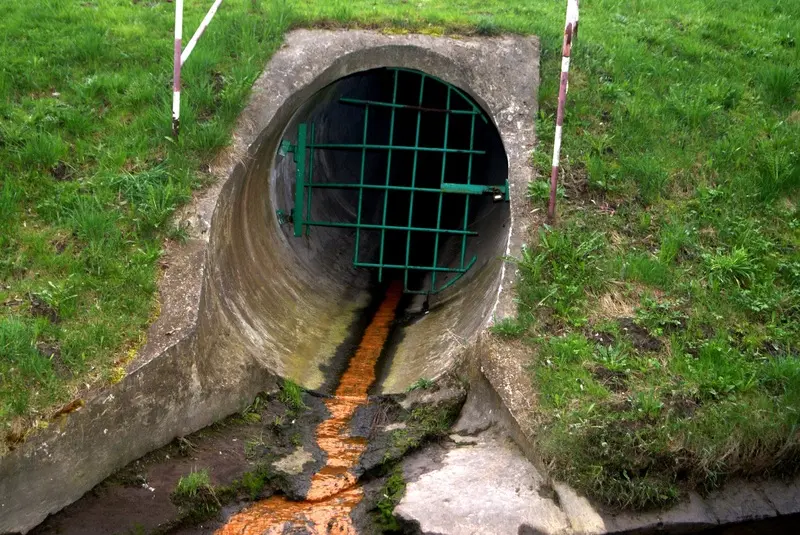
292	302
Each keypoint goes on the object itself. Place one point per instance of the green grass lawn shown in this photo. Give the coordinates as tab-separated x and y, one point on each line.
662	311
664	308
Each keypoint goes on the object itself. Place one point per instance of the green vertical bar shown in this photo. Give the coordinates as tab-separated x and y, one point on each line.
388	176
310	178
439	212
466	197
413	182
361	183
299	186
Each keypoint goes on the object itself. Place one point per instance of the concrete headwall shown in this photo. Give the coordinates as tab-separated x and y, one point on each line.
242	306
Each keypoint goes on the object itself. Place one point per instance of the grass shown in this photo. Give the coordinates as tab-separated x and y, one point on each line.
421	384
291	395
663	310
89	179
196	497
677	244
192	484
390	495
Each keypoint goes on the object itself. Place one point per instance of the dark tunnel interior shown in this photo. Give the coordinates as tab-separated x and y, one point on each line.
413	113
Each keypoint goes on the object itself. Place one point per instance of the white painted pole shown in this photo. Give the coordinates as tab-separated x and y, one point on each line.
176	70
200	29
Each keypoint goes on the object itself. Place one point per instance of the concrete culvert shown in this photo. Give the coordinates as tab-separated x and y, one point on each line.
388	165
245	301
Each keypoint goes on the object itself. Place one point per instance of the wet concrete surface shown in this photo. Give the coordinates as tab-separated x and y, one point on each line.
309	454
137	498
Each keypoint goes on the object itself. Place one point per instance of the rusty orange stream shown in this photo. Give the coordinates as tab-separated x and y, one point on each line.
333	492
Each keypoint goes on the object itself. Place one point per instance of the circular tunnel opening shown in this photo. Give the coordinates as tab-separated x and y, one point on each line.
393	174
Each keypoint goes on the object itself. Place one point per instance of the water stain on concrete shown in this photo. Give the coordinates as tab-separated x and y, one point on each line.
334	491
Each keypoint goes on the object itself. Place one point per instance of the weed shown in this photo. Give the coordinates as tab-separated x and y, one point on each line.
648	404
195	496
737	266
676	238
296	439
647	269
660	316
614	358
254	482
421	384
252	413
423	423
278	421
540	190
389	496
432	421
189	486
253	447
559	270
487	26
509	327
291	395
779	171
779	83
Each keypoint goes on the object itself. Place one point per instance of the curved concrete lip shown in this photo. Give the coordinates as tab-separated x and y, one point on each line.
290	302
213	348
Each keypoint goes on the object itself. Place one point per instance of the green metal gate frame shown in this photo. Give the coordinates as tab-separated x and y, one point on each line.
304	160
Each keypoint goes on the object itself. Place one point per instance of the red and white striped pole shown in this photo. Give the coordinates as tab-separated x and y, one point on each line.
176	70
570	31
200	29
181	57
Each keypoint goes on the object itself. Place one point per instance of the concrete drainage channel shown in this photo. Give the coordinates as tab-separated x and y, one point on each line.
426	141
361	159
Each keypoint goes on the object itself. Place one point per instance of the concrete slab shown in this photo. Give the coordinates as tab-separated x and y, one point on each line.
739	501
689	516
583	518
784	496
485	489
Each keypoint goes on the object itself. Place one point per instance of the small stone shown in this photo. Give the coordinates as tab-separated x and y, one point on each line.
461	440
293	464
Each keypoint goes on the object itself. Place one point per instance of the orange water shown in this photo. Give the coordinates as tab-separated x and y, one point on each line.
334	491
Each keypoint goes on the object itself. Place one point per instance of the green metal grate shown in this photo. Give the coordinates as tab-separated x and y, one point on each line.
305	185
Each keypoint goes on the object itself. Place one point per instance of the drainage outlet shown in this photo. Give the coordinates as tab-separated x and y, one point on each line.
414	161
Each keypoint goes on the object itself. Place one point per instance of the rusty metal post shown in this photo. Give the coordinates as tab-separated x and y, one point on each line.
176	70
570	30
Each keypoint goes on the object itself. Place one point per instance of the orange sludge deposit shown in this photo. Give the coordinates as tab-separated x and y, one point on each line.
334	491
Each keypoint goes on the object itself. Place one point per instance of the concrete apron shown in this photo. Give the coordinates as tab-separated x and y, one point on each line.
485	481
243	304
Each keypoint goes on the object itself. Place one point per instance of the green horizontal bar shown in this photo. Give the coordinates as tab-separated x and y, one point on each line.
406	106
355	146
467	99
387	227
446	188
420	268
467	189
